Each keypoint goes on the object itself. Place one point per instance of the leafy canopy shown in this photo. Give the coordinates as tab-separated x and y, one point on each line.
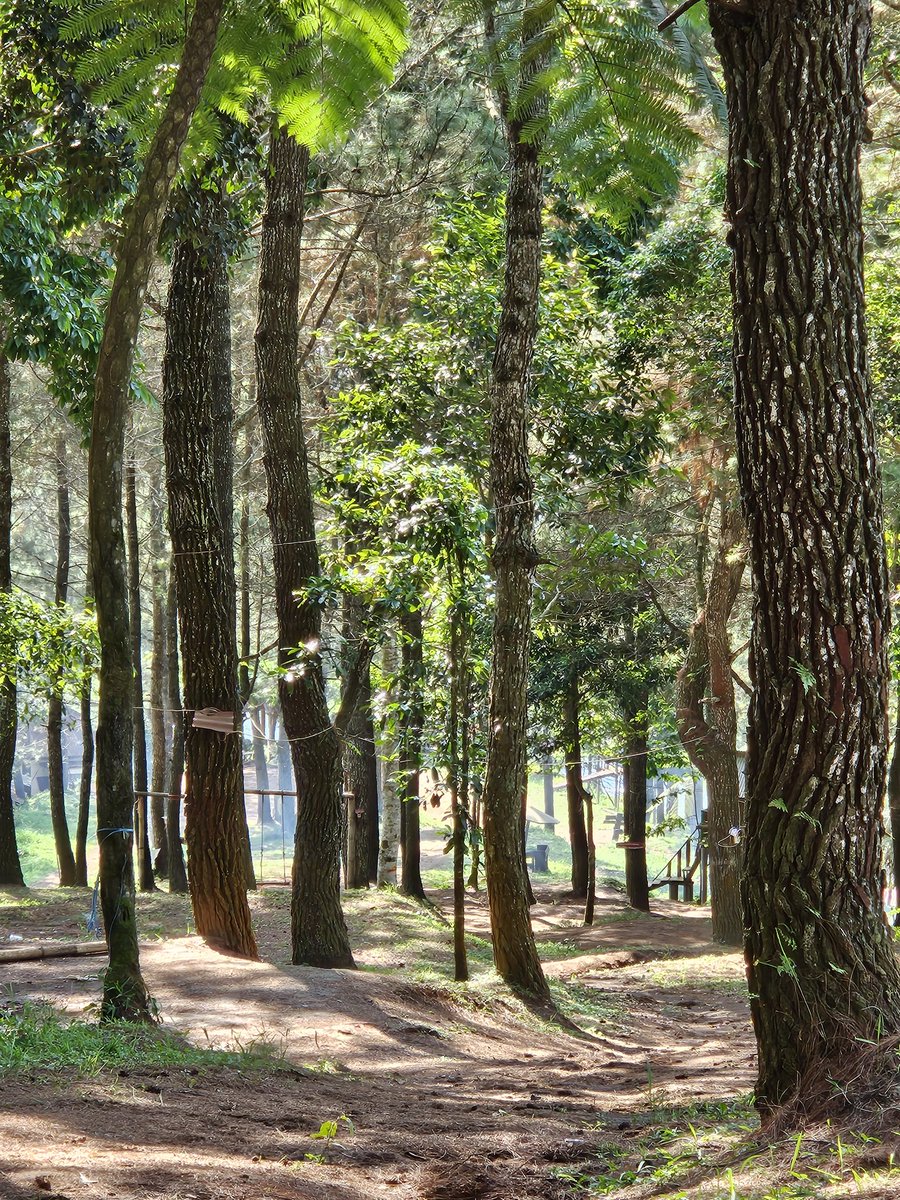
314	64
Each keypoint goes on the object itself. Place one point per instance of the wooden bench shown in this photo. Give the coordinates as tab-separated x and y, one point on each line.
538	858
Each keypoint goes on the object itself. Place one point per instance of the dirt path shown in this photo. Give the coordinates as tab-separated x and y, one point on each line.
447	1101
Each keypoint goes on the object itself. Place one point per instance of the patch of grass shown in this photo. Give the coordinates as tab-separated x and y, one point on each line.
34	836
549	951
590	1008
36	1040
711	1150
722	973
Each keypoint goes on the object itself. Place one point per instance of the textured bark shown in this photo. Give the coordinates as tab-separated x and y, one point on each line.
514	556
412	671
197	415
707	721
84	786
591	894
373	839
637	887
158	661
178	881
141	822
360	774
10	866
318	930
822	970
245	679
55	708
459	785
389	842
125	994
575	789
894	806
87	755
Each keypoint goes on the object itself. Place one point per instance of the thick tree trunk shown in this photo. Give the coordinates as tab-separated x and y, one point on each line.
412	670
707	722
318	930
125	995
10	866
635	807
575	790
158	692
823	974
55	707
141	822
514	555
178	881
197	414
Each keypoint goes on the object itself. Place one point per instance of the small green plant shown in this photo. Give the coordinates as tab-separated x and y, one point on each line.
327	1133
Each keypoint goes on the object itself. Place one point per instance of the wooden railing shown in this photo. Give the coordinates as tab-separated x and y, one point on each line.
688	868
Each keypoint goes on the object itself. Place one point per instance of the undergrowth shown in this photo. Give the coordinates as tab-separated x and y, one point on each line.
38	1041
714	1151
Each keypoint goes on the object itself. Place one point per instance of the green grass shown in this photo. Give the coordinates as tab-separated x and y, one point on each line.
712	1150
36	1040
34	835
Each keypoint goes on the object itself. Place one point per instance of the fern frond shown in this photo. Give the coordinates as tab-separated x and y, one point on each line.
315	64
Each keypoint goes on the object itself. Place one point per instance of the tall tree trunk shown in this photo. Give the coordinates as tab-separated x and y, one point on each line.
360	766
286	780
514	555
637	887
412	669
894	807
459	781
373	839
591	893
158	691
575	789
10	866
87	754
178	881
142	830
707	722
318	930
389	842
824	979
55	707
84	785
261	766
124	993
197	415
245	679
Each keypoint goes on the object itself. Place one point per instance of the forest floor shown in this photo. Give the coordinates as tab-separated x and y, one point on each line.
392	1080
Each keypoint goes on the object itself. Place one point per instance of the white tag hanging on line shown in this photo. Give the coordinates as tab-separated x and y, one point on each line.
214	718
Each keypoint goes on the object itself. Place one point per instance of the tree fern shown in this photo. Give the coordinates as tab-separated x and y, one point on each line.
618	95
316	64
